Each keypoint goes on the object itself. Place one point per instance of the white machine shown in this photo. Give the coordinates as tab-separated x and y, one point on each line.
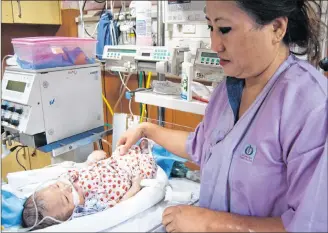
45	106
159	59
184	12
121	58
131	58
207	66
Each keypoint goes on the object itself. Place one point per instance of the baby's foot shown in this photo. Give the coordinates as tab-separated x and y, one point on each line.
96	156
135	188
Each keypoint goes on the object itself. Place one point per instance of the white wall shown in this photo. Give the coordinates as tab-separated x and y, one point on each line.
172	38
186	33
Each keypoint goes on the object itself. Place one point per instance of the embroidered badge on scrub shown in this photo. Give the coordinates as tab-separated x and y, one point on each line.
248	153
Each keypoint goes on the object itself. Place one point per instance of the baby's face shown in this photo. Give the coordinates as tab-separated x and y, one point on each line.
59	199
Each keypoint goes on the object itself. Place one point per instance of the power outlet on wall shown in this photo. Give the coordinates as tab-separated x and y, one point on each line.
189	29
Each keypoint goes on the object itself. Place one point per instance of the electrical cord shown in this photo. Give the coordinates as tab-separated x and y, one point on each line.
119	32
118	16
145	86
123	92
14	148
100	1
121	89
85	30
120	75
104	91
108	105
104	95
130	107
84	5
3	63
140	86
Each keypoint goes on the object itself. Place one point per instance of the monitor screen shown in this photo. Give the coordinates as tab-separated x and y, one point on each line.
178	1
214	55
145	54
16	86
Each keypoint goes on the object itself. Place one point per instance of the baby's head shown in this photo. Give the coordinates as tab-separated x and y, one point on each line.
55	201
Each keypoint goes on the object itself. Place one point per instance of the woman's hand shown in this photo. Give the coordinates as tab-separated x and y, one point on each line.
195	219
172	140
129	138
183	218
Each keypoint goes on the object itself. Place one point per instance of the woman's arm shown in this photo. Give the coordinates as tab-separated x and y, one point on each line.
172	140
196	219
231	222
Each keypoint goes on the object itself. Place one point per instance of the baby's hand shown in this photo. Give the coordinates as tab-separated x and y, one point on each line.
96	156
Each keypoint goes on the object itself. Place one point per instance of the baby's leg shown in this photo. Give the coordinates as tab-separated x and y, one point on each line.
135	188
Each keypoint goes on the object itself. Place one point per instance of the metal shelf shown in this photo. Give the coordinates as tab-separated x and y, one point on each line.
171	102
71	143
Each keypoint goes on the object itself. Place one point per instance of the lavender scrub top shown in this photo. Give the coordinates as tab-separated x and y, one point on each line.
261	164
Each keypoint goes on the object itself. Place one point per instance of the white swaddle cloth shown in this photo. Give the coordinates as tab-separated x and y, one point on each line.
24	183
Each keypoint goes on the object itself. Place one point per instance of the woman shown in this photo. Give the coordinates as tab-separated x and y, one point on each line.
265	127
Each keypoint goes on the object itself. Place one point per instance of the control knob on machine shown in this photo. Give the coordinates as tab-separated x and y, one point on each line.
11	108
19	110
6	119
4	106
14	122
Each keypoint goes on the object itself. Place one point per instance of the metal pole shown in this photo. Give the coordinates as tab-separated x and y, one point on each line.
160	42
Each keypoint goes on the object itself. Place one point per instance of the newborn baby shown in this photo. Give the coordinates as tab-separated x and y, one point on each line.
101	185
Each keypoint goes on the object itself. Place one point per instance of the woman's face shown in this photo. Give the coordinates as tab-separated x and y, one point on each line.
245	49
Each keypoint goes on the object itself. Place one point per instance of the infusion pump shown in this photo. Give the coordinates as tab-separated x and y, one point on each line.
207	66
184	12
132	58
120	57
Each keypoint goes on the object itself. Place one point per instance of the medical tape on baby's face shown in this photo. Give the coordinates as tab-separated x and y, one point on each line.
76	197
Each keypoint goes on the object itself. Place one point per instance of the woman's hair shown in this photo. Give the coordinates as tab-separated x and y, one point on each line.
303	21
29	213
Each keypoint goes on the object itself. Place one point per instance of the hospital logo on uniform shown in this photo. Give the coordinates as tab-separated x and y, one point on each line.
248	154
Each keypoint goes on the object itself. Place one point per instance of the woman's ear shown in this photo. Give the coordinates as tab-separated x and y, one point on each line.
279	28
